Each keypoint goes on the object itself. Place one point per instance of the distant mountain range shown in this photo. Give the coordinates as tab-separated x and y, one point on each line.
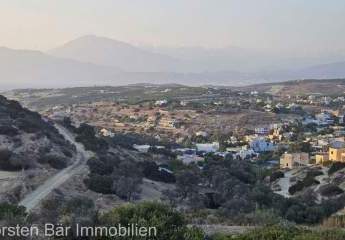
23	68
108	52
92	60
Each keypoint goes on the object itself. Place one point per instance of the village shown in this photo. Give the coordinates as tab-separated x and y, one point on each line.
291	134
266	128
218	148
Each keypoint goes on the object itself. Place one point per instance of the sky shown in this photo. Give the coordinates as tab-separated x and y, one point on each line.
271	25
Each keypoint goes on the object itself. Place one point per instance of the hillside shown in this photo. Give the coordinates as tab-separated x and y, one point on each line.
41	98
301	87
28	143
330	70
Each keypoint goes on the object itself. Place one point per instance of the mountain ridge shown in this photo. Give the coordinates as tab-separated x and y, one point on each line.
34	69
110	52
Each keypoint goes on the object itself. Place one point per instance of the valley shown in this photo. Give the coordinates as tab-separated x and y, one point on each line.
212	152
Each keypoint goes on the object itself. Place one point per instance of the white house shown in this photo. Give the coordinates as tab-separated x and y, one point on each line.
262	130
309	120
183	103
244	153
293	107
201	133
261	145
208	147
188	159
324	118
280	106
326	100
161	102
142	148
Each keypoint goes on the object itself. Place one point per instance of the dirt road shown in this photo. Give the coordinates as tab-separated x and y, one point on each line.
33	199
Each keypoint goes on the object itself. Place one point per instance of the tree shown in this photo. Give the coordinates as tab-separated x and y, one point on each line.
54	160
187	181
127	178
168	223
126	187
11	215
5	156
300	147
100	184
99	167
87	136
151	171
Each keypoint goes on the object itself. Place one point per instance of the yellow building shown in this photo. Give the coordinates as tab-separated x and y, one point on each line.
337	154
294	160
276	134
321	157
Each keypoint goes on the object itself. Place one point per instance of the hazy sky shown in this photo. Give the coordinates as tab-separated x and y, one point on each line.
259	24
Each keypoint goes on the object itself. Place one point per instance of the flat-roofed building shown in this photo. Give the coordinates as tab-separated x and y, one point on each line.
294	160
321	157
337	151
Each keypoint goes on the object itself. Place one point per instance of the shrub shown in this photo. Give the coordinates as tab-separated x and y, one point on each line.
100	184
336	167
68	153
169	224
276	175
151	171
162	151
54	160
285	233
5	156
87	136
330	190
8	130
126	187
29	124
99	167
9	211
306	182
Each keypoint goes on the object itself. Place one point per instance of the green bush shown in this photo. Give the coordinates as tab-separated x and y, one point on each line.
55	161
336	167
97	166
10	211
5	156
169	224
330	190
285	233
87	136
276	175
8	130
100	184
308	181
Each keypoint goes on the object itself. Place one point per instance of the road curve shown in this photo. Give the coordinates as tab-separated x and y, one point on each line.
33	199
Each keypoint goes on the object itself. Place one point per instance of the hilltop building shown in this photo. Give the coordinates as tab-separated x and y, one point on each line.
294	160
337	152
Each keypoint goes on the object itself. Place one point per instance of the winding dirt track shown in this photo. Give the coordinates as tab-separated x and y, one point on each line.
33	199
